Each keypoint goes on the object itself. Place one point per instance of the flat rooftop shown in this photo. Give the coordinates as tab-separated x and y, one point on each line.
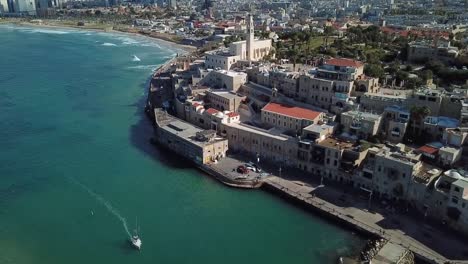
292	111
274	134
225	94
335	143
364	115
426	173
182	129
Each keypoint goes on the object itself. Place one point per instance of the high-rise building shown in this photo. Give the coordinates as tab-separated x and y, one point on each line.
173	4
4	6
25	7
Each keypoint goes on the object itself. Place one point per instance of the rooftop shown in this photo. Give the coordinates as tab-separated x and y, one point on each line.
363	115
212	111
428	149
344	62
188	132
426	173
335	143
258	131
225	94
292	111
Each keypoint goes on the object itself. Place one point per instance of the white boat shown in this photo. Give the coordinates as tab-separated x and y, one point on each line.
136	242
135	58
135	239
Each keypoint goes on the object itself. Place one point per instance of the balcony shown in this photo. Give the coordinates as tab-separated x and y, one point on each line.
395	133
356	125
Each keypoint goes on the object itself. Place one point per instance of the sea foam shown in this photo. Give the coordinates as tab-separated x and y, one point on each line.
109	44
104	202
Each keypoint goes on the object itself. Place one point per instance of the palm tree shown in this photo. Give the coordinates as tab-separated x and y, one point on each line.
293	54
418	114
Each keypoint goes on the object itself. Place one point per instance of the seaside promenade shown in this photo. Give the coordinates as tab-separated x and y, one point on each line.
351	213
348	209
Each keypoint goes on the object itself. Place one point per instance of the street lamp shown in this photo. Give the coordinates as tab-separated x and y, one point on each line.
321	183
370	198
279	171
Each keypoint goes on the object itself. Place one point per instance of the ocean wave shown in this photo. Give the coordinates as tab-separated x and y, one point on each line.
46	31
128	41
109	44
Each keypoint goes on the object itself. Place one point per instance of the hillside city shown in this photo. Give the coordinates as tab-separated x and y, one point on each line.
364	98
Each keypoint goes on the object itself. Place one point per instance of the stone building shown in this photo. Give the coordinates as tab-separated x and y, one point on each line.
360	124
221	79
395	122
422	51
223	100
189	141
289	117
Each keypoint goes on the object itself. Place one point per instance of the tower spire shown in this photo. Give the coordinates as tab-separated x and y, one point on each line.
250	38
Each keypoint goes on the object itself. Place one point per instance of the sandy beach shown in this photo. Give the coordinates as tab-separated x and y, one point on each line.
48	24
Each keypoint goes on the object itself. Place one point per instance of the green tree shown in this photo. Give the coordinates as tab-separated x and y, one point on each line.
426	75
374	70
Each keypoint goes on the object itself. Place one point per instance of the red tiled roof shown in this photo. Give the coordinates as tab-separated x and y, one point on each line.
212	111
428	149
196	104
293	111
344	62
232	114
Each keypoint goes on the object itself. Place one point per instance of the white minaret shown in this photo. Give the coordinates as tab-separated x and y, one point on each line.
250	38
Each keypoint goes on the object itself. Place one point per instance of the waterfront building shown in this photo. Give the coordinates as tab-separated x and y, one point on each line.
270	144
4	7
289	117
193	143
391	171
26	7
449	200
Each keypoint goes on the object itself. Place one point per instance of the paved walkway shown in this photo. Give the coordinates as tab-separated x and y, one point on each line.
372	222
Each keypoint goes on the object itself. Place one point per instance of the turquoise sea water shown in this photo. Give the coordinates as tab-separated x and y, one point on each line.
75	164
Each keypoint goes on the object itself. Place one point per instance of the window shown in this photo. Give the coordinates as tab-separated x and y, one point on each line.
335	162
328	161
455	200
456	189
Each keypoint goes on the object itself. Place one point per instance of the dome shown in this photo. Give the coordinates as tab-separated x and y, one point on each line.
219	115
453	174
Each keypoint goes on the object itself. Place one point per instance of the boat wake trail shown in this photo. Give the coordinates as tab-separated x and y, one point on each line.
104	202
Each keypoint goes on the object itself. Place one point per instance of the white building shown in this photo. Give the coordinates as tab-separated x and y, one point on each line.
222	61
25	7
246	50
3	6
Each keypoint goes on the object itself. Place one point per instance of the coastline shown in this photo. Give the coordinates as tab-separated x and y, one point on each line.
171	44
